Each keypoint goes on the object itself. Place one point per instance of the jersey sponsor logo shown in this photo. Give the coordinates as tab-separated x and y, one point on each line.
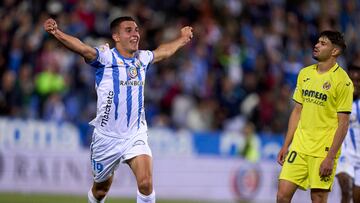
314	94
106	115
315	97
326	85
347	84
132	83
307	79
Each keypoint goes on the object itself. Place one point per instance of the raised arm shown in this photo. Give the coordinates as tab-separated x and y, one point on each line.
168	49
293	123
70	42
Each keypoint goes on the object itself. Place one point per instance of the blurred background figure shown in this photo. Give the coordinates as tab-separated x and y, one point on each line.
348	173
251	150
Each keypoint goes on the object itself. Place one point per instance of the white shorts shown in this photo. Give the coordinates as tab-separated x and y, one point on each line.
355	161
107	152
345	166
357	176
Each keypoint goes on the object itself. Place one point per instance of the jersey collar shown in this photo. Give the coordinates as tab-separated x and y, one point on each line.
122	57
332	69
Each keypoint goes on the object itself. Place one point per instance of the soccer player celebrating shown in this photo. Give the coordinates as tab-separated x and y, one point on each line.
348	169
318	123
120	133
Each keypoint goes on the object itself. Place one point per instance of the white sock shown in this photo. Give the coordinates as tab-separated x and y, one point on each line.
145	199
92	199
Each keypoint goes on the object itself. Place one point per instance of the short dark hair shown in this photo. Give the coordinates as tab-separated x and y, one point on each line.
117	21
336	38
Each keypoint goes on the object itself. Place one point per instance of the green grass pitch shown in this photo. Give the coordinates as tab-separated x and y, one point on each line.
46	198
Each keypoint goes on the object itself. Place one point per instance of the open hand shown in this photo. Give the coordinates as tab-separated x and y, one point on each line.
50	26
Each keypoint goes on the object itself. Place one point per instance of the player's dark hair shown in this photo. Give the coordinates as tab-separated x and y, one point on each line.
336	38
117	21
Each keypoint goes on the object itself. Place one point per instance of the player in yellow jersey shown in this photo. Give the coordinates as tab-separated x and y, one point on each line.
318	123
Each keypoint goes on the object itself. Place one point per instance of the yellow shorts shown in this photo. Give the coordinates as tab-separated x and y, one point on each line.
303	170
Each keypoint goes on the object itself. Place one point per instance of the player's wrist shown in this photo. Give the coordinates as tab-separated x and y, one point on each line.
330	156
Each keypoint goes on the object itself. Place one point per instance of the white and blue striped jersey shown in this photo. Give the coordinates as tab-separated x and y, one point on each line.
351	144
120	92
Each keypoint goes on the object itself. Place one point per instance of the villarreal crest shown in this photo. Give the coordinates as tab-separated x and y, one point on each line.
326	85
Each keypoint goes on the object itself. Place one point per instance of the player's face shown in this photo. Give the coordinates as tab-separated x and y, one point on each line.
355	77
323	49
128	36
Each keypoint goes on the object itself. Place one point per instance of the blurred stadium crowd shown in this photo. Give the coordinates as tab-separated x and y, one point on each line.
241	65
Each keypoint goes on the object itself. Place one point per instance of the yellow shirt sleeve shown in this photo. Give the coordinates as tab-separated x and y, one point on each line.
298	90
345	96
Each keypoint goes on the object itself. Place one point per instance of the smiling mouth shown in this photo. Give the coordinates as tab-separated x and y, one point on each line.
134	41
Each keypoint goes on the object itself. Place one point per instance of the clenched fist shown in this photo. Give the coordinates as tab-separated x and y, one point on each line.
186	34
50	26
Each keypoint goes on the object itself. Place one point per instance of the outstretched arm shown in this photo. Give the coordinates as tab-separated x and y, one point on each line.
293	123
70	42
168	49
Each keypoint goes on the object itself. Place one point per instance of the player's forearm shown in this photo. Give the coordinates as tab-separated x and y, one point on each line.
338	138
168	49
290	132
76	45
293	123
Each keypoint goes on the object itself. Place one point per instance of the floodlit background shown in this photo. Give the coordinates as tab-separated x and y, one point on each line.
217	110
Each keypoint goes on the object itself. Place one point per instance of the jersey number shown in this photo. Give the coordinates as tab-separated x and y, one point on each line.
292	156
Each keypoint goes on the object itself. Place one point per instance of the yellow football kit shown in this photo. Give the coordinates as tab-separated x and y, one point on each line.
322	97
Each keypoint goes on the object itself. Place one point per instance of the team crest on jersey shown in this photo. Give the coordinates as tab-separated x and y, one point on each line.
132	72
326	85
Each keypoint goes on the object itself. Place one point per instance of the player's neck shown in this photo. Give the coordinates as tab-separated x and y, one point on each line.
325	66
124	53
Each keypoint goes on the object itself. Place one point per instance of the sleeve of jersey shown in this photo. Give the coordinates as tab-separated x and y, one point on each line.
297	97
103	54
146	57
345	97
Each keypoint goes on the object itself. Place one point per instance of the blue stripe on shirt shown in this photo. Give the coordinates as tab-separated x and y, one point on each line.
99	73
115	75
128	96
140	98
352	137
